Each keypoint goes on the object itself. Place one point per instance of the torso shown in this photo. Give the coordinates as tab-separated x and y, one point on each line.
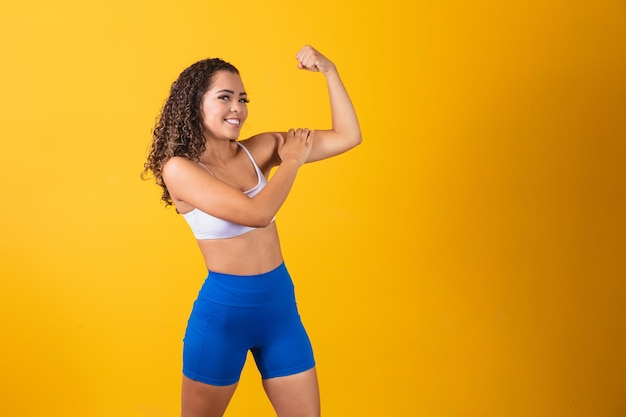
253	252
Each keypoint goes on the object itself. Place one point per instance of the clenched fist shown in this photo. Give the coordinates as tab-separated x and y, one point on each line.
310	59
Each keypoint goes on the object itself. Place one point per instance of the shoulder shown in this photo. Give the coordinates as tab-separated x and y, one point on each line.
264	149
184	178
175	165
180	169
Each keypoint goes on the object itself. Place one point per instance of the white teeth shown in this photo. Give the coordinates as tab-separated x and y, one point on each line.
233	121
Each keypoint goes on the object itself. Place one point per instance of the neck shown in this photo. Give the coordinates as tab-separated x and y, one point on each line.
218	152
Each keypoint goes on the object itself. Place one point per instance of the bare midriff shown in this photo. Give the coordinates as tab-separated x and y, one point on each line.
251	253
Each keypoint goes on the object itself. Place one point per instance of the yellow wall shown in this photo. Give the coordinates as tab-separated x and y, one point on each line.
466	260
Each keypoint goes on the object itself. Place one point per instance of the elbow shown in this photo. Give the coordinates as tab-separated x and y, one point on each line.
261	223
260	219
356	140
268	222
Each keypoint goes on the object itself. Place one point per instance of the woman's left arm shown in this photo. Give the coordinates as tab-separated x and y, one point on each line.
345	133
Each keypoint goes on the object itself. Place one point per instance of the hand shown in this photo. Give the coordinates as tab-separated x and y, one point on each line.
309	59
296	146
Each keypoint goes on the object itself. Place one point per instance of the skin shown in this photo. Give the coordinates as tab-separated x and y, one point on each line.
216	188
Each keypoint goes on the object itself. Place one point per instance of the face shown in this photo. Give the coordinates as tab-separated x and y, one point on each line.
224	106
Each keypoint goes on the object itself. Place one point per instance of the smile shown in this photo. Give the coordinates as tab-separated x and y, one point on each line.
235	122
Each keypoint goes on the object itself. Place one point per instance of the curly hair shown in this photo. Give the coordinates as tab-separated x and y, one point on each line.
178	129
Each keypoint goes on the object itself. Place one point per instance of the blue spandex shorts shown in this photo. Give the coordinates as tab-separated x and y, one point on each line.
234	314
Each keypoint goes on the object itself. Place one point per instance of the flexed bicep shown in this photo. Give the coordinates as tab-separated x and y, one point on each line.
345	132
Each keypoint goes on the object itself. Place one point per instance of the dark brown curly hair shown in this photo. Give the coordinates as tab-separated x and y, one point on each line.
178	129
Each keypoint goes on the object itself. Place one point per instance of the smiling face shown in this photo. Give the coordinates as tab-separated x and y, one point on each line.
224	106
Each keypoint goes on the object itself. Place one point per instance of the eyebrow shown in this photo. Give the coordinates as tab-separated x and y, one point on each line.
243	93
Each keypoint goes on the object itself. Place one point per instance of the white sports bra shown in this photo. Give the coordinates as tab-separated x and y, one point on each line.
204	226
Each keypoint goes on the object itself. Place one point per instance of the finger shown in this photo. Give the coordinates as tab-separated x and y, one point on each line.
300	56
307	58
304	51
303	64
312	63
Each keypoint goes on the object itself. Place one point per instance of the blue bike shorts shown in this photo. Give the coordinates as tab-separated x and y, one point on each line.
237	313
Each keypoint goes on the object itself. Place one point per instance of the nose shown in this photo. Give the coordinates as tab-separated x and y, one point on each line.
235	107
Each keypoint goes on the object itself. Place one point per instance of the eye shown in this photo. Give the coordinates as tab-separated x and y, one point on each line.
244	100
224	98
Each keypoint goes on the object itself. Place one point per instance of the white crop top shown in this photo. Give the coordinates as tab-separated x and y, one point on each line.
204	226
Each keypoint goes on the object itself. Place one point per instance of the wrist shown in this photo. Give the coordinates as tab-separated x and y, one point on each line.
290	163
330	70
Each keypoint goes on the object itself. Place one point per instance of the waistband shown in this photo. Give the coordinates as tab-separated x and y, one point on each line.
278	270
248	290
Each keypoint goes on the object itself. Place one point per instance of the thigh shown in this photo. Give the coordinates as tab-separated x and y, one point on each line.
215	345
285	348
294	395
203	400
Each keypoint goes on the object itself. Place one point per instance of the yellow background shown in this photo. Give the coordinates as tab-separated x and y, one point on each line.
467	260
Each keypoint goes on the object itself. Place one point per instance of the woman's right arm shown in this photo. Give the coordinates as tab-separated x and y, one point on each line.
188	182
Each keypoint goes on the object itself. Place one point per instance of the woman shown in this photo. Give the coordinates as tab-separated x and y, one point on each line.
220	187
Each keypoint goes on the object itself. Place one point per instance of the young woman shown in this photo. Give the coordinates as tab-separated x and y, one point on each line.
220	186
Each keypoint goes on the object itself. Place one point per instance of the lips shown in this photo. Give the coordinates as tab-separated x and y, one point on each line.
234	122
